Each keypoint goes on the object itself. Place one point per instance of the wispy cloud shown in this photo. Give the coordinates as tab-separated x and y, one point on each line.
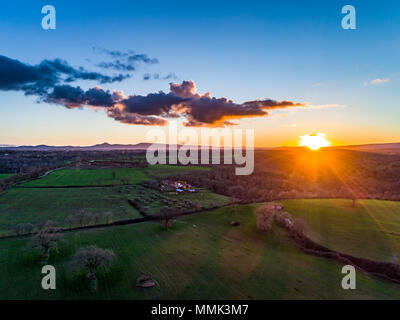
124	61
157	76
376	81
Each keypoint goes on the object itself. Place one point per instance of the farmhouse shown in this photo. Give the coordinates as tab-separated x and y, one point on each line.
178	186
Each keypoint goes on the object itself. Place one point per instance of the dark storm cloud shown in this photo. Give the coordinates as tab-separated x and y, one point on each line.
15	75
209	111
38	79
153	109
75	97
159	104
118	107
124	61
134	118
183	101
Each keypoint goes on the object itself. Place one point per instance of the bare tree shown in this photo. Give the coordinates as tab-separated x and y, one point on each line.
87	218
70	220
96	218
265	217
108	216
263	223
166	215
80	217
91	259
46	240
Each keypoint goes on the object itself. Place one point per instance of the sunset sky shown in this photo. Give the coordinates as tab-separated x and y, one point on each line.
266	57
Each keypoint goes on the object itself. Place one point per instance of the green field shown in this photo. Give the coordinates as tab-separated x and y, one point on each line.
35	205
5	175
54	197
202	257
89	177
369	230
163	171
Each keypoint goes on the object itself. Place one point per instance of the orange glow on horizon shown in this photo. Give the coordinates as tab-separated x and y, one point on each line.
314	141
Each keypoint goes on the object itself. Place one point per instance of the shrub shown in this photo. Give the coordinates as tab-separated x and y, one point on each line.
18	229
283	219
22	228
300	227
28	227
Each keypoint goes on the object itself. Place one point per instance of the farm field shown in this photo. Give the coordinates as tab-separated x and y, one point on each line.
163	171
37	205
201	257
5	175
204	197
152	201
89	177
369	230
67	192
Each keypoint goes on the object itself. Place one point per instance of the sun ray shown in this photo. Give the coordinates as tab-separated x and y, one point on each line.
360	192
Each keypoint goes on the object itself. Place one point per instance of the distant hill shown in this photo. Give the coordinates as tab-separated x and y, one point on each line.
97	147
387	148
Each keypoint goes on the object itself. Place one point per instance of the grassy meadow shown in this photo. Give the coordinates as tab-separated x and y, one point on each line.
89	177
68	191
201	257
371	229
36	205
5	175
163	171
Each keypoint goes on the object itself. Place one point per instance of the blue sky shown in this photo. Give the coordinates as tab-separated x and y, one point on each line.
244	50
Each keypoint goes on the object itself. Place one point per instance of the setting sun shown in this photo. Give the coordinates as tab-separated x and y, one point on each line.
314	141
